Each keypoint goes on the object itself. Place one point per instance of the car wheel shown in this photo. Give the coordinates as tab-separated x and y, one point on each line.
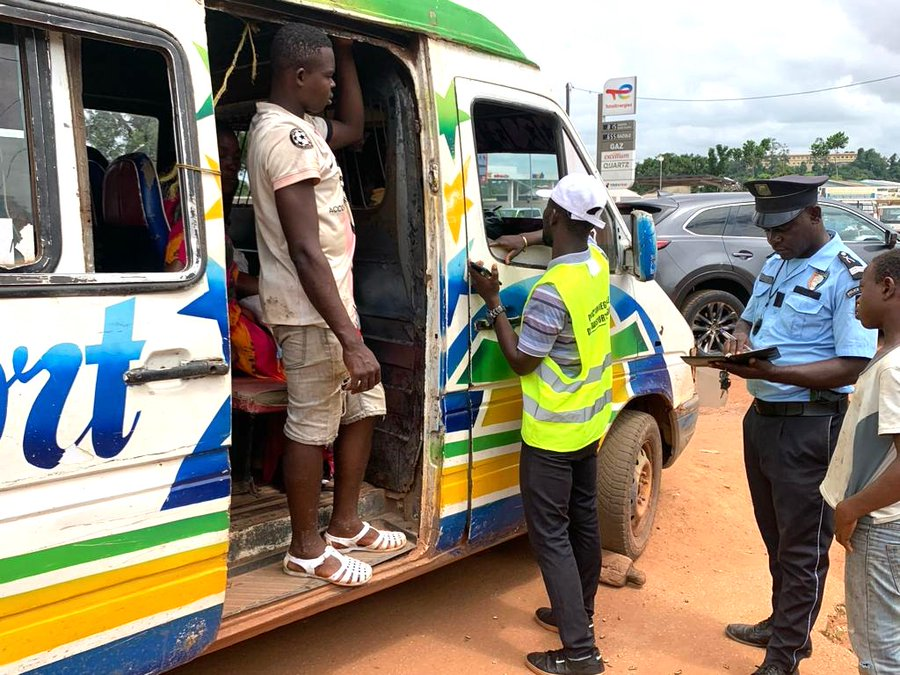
711	314
629	471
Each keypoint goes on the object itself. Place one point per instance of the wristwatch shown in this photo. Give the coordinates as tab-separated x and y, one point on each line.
494	313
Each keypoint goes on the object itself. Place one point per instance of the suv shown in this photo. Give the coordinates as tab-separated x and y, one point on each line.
710	252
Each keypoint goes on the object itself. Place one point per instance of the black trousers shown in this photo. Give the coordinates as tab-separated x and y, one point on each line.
786	459
559	494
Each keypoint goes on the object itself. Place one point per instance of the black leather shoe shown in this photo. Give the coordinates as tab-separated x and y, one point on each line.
555	662
753	634
773	670
543	616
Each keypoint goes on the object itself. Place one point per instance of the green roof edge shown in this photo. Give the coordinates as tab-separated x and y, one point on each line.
438	18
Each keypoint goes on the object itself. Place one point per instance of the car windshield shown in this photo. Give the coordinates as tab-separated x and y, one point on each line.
890	214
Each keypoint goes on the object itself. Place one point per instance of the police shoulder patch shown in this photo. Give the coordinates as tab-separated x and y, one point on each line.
300	139
854	266
853	292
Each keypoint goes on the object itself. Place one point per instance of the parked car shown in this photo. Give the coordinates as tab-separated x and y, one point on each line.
890	216
520	212
709	253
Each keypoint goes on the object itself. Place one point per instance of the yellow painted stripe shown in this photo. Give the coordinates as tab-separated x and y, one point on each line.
504	407
620	384
101	609
454	485
495	474
95	582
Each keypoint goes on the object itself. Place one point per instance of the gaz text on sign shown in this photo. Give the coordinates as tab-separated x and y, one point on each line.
616	136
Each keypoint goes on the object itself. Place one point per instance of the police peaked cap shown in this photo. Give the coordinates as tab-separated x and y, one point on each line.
780	200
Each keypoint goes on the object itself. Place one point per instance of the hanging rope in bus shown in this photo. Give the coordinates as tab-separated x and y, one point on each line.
249	30
247	33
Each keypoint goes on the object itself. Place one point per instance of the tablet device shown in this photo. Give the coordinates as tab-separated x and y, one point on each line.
743	358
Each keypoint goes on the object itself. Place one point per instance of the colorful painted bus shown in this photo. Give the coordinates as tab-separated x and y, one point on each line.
140	518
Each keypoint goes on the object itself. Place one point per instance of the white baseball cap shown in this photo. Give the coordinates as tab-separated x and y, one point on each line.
582	195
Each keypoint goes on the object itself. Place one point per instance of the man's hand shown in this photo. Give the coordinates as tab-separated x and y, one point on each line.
487	288
755	369
844	525
739	342
363	367
341	42
513	244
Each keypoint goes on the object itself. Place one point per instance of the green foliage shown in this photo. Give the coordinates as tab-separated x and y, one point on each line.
767	157
115	134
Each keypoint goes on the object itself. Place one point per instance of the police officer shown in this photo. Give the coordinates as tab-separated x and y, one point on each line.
803	303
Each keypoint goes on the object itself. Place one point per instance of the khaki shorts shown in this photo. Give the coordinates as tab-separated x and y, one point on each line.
317	406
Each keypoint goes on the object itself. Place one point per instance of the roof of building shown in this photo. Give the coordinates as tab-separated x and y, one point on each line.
436	18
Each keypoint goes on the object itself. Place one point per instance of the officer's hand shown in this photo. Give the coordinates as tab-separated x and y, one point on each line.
739	343
755	369
363	367
487	287
844	525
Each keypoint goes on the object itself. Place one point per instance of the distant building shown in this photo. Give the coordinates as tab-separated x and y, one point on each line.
833	158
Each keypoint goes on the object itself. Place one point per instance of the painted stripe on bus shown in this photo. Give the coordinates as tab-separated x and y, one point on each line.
89	584
194	625
30	632
39	562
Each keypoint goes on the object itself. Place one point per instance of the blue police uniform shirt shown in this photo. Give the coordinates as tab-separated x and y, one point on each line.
807	308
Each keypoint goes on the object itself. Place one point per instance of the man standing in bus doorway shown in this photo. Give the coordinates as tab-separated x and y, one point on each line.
563	359
306	240
804	303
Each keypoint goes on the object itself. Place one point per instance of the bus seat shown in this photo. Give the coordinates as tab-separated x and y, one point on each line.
135	229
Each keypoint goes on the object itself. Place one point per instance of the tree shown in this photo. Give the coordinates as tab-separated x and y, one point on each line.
115	134
821	148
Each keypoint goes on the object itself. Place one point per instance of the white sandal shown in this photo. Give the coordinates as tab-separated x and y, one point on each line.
385	542
352	572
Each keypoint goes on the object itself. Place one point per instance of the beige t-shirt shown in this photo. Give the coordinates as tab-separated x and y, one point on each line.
283	150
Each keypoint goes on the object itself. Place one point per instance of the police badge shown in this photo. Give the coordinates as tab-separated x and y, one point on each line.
300	139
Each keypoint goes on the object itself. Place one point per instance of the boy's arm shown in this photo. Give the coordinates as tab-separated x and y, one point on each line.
883	491
349	116
299	217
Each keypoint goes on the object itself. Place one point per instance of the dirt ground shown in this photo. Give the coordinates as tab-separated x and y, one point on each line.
706	566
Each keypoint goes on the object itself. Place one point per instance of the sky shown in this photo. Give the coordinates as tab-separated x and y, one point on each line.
717	49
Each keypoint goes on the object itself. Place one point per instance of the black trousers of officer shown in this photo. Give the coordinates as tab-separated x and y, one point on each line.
559	495
786	458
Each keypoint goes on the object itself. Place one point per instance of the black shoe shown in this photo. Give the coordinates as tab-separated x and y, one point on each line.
773	670
755	635
555	662
543	616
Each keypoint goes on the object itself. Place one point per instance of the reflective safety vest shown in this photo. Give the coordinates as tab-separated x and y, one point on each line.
563	413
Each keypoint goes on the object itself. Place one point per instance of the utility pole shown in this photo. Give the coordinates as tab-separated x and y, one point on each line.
569	88
660	158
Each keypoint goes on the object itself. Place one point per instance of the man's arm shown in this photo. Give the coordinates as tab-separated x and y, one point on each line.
349	117
883	491
828	374
489	290
299	217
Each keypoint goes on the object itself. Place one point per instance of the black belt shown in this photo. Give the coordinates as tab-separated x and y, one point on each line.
801	409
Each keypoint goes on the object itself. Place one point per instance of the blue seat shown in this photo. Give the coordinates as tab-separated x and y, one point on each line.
135	229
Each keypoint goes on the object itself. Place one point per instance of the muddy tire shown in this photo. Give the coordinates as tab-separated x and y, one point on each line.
711	314
629	469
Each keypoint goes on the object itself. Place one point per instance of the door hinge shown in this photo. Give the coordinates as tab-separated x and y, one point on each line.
433	177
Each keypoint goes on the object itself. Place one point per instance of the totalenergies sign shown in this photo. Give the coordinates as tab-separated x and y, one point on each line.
619	96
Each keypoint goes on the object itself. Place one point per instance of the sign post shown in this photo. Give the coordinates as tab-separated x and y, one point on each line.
616	140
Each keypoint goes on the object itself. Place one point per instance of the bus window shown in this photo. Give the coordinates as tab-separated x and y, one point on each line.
130	147
18	234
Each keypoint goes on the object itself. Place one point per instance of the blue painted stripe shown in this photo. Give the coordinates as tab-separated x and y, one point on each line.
452	529
151	651
198	491
497	519
204	475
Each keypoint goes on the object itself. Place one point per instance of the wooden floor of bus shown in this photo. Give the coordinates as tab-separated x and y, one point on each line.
269	584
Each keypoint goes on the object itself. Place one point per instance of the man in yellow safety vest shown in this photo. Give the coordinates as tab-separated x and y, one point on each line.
563	357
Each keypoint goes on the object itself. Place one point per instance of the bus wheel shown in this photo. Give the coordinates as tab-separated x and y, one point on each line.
629	469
